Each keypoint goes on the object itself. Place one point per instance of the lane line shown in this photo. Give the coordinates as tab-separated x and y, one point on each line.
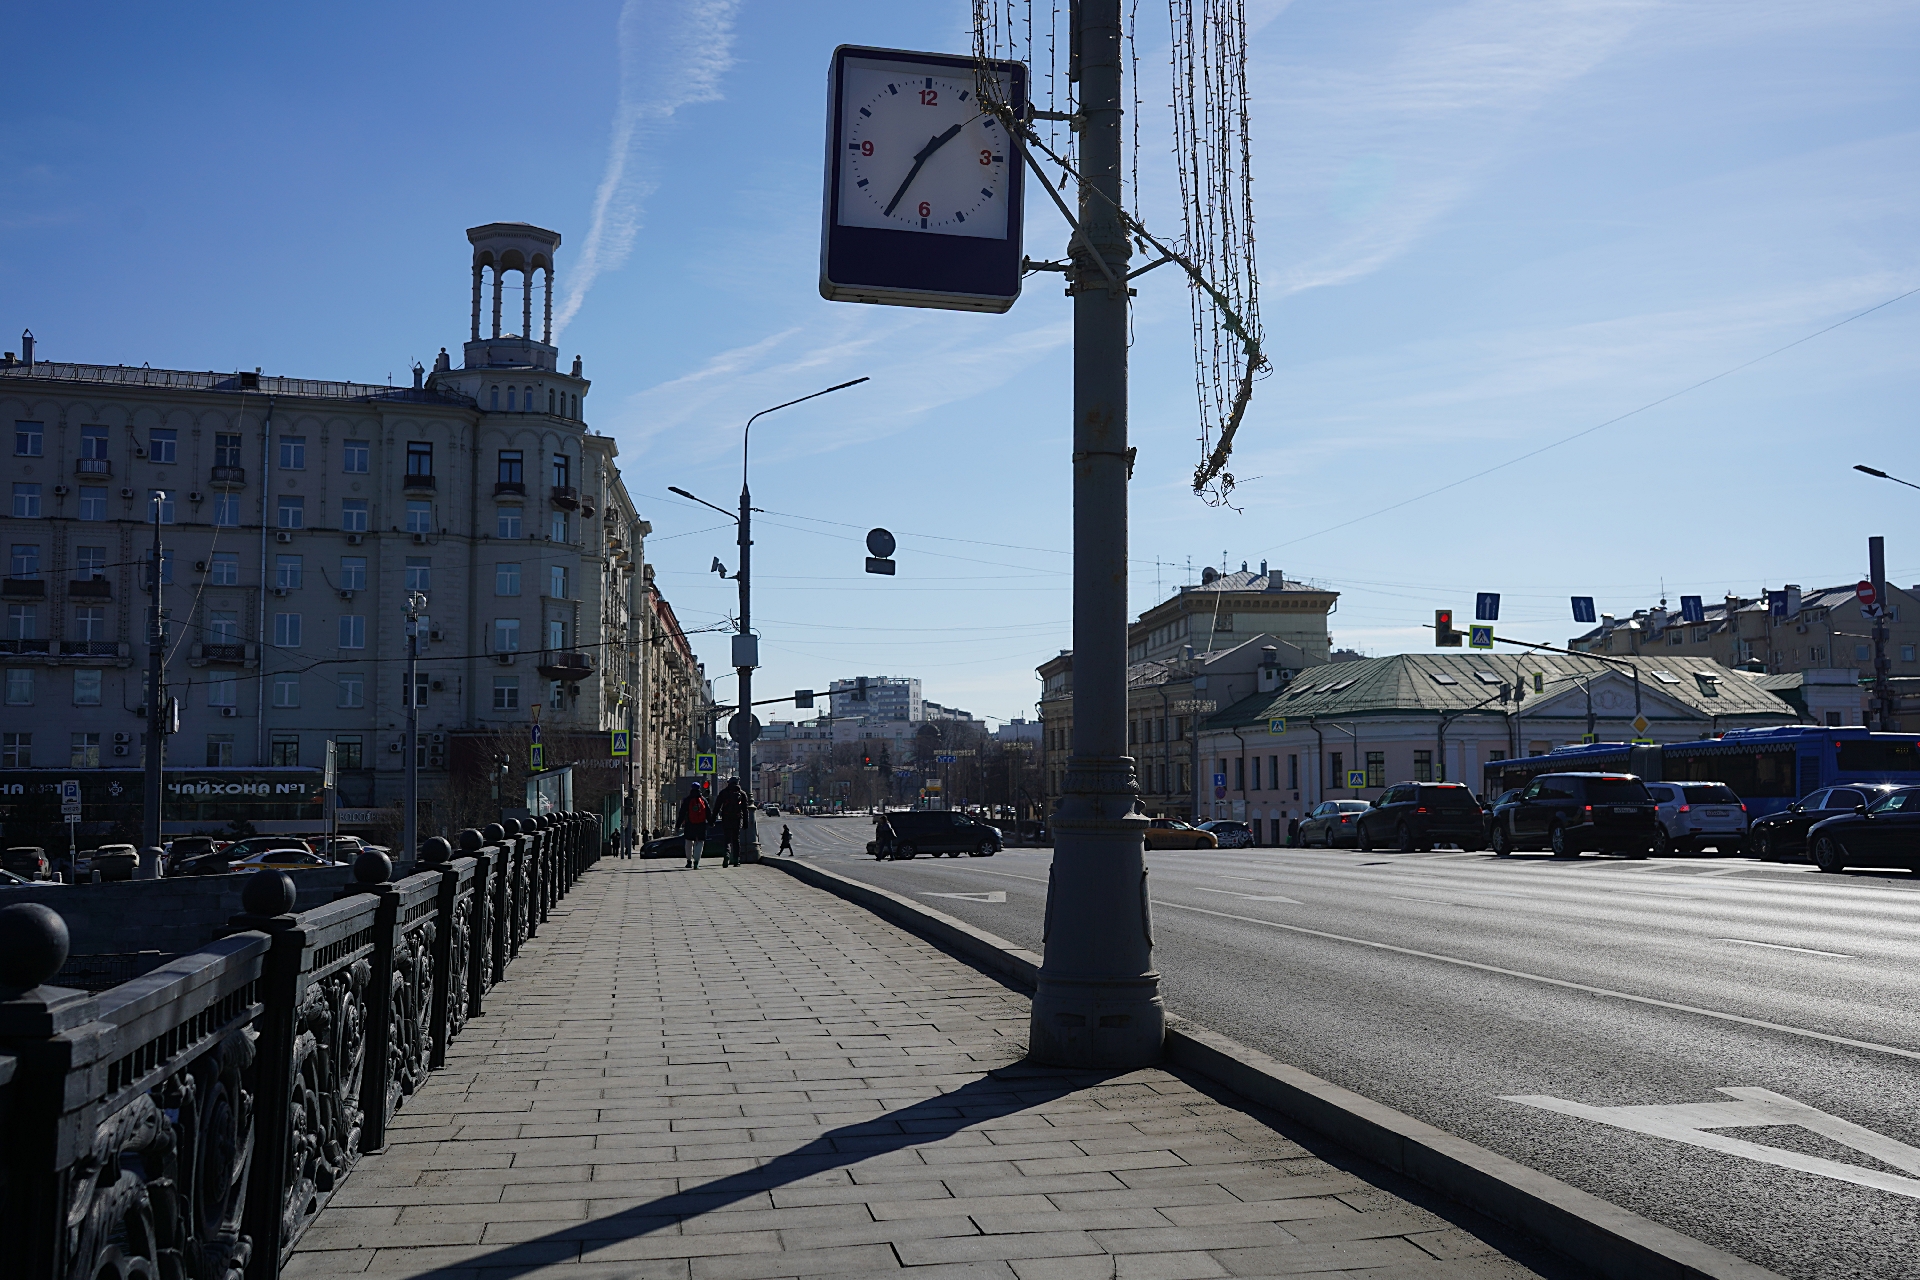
1556	982
1252	897
1781	946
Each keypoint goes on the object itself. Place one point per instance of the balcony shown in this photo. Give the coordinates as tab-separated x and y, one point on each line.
565	495
555	665
23	588
90	589
26	646
501	487
228	477
420	483
92	467
91	649
233	654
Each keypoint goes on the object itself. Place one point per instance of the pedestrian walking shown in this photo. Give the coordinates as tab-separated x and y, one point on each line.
693	824
884	838
729	810
786	841
1293	833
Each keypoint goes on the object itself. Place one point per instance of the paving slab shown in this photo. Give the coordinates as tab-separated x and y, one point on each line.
730	1075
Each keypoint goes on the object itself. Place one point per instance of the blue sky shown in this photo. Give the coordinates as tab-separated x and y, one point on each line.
1483	226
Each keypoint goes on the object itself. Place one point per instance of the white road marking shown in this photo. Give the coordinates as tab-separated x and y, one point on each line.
1781	946
1008	874
1554	982
991	895
1253	897
1690	1123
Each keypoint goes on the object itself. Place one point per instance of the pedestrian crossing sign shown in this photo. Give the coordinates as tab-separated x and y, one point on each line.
536	756
704	764
1276	727
1480	637
1356	779
621	737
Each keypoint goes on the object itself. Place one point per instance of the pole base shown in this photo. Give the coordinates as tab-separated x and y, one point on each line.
1109	1024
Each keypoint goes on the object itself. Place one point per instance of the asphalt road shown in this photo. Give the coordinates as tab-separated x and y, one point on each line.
1448	984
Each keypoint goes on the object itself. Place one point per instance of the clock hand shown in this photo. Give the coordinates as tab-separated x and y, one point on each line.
920	158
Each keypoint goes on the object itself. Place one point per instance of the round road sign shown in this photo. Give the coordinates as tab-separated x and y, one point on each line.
880	543
743	727
1864	590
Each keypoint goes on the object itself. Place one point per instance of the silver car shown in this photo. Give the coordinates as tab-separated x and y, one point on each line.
1697	815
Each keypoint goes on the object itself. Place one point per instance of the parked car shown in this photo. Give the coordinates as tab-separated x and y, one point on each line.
240	850
1171	833
9	880
1230	834
27	861
114	861
673	846
1697	815
1782	836
1572	812
1331	823
1886	835
182	848
938	831
1492	807
282	859
771	810
343	848
1418	815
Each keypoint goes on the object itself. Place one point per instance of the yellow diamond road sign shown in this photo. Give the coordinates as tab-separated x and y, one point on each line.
1639	724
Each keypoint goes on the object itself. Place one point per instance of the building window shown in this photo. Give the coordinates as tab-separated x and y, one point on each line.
557	531
26	560
506	635
219	751
353	515
226	510
512	398
1815	653
163	444
557	581
419	516
90	622
286	631
29	438
226	450
353	631
16	750
1675	636
1240	773
419	458
286	690
512	467
293	453
86	751
354	455
347	752
286	572
1377	768
506	693
23	622
224	626
93	447
353	573
1906	653
1833	719
1863	653
1423	766
223	689
286	750
1293	773
562	470
162	509
224	569
92	562
1337	766
293	511
549	399
419	573
353	691
507	522
506	580
19	686
493	398
26	500
556	634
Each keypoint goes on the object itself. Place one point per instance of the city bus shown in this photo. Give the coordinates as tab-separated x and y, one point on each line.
1767	768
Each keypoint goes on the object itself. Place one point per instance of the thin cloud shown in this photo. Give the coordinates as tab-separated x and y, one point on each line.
672	55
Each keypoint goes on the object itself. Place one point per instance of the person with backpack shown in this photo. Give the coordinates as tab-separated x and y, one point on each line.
729	810
693	823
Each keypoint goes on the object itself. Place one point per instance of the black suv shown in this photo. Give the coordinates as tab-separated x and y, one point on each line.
1571	812
1419	815
937	831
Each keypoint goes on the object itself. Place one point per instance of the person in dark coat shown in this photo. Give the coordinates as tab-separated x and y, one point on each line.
786	841
693	823
729	811
884	838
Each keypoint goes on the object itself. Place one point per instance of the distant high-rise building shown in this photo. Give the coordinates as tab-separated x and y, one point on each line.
888	698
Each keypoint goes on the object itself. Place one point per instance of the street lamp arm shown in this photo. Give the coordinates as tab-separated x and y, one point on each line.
1876	472
747	432
703	502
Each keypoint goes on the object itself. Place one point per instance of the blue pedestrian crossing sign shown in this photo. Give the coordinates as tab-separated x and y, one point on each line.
704	764
536	757
1276	726
1356	779
1480	637
621	739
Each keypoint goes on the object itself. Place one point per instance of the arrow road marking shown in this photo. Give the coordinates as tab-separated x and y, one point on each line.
1254	897
992	895
1690	1123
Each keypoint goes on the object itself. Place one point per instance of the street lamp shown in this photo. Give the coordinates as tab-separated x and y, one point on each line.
746	651
1875	471
410	820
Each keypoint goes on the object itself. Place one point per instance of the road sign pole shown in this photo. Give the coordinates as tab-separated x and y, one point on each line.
1882	686
156	689
1097	1003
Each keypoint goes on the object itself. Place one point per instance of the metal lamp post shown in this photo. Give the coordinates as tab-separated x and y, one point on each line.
746	650
410	820
156	689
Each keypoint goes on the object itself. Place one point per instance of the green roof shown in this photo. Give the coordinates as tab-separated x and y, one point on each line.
1421	683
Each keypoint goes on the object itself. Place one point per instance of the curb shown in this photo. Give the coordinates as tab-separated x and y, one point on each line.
1611	1241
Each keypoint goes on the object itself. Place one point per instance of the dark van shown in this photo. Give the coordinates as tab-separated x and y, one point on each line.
1418	815
938	831
1572	812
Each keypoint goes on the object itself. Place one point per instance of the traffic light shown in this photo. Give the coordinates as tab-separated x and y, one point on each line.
866	759
1444	636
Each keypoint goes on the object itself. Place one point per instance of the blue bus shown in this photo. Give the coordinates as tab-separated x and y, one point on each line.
1767	768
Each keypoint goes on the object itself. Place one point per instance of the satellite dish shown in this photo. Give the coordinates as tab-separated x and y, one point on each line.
879	543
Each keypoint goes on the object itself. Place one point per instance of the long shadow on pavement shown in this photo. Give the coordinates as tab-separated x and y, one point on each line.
1001	1092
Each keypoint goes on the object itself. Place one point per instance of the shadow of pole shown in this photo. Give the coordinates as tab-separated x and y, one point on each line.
1001	1092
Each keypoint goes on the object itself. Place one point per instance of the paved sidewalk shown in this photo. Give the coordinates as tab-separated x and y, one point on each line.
727	1075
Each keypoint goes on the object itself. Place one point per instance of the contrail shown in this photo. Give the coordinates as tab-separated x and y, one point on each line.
672	55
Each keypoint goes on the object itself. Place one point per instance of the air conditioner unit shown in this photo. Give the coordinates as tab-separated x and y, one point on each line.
419	539
228	713
346	595
139	451
126	493
433	633
355	539
436	737
504	659
123	737
120	751
283	536
395	747
280	591
438	686
196	497
436	762
59	491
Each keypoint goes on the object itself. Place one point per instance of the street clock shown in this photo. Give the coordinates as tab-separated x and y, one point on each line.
923	188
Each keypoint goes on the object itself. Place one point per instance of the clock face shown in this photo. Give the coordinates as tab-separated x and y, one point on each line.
918	154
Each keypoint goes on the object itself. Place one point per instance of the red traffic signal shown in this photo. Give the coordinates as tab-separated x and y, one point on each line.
1444	636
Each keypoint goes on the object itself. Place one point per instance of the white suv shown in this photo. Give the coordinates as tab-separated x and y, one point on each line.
1697	815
